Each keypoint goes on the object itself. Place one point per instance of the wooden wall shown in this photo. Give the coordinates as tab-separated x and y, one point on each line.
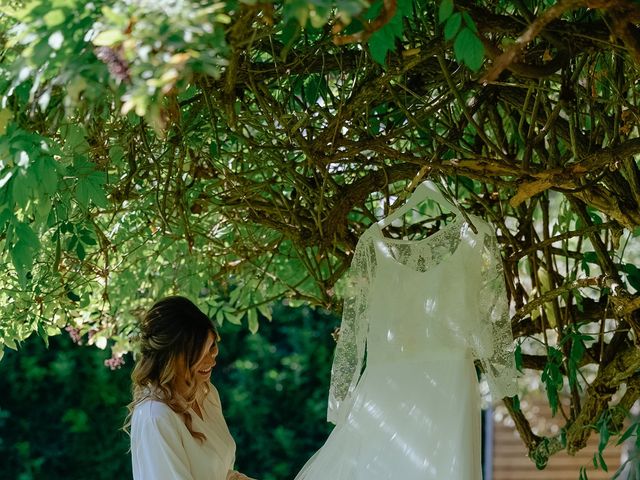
510	459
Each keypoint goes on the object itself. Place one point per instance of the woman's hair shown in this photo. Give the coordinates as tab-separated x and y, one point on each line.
173	335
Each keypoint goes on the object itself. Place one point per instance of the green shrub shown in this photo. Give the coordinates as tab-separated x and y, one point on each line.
61	408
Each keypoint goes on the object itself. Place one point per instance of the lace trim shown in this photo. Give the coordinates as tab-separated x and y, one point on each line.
350	349
425	254
492	343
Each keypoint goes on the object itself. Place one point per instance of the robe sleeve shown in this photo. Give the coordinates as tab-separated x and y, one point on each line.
493	340
350	349
156	449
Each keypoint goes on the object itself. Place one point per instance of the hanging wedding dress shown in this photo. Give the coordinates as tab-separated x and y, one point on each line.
417	315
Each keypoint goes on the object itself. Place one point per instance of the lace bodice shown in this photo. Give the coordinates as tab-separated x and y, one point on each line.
407	299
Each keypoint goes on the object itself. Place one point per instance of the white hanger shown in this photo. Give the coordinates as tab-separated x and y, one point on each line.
426	190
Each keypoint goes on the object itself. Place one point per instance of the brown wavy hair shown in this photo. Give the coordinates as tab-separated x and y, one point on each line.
172	337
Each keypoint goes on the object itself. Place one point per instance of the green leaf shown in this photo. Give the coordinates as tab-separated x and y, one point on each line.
54	18
595	218
22	187
590	257
290	33
232	317
469	49
405	8
252	317
80	251
603	464
43	334
73	296
460	46
26	234
583	474
314	86
47	176
71	243
381	43
90	188
452	26
9	342
445	11
23	251
82	192
575	355
114	17
552	377
468	21
108	38
22	258
374	10
579	300
633	275
604	433
6	214
6	116
22	255
265	311
518	357
116	153
214	150
632	430
75	141
87	240
475	56
593	214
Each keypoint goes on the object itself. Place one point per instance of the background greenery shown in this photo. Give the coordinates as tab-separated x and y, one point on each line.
61	408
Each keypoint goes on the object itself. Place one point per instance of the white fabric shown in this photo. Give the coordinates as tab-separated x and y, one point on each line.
163	449
419	312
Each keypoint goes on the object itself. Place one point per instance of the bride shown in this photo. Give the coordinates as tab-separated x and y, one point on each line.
177	428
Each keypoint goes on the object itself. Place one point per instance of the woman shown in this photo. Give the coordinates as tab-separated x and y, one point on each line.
177	428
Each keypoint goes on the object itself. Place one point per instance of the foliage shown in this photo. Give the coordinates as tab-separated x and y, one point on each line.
285	365
237	150
274	390
60	413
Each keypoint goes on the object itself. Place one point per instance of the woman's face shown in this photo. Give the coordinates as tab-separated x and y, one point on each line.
202	368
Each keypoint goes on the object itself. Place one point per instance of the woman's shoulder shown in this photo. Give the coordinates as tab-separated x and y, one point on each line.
153	421
152	410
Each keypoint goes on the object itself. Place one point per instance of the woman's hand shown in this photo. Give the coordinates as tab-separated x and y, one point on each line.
233	475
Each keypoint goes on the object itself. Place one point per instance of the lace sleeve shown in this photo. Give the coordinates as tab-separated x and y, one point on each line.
493	344
350	349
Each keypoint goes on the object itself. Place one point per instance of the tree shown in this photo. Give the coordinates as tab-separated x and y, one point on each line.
237	150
